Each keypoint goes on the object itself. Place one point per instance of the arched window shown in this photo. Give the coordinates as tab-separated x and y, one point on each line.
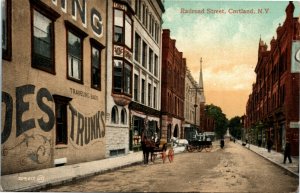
123	116
114	115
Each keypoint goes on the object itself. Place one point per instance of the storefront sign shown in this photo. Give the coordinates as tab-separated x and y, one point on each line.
83	94
295	57
45	120
79	7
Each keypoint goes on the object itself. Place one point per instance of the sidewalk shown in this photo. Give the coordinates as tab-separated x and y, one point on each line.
38	179
276	158
34	180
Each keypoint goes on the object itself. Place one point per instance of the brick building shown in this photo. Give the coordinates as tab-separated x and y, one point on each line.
172	91
53	108
272	110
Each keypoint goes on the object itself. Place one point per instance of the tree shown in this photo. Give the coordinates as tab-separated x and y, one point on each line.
219	117
235	127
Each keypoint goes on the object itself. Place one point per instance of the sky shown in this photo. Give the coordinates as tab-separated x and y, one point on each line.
227	43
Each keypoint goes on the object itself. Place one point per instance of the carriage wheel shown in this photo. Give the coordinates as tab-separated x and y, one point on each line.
208	148
200	148
163	156
153	157
171	155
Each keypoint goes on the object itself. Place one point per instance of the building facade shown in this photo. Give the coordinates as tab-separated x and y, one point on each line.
119	75
53	107
272	110
172	91
191	106
133	72
145	106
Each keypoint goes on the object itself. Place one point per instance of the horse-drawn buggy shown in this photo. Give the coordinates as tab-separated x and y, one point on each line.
164	149
199	145
155	147
199	142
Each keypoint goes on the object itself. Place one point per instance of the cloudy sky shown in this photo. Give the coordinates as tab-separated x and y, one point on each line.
228	44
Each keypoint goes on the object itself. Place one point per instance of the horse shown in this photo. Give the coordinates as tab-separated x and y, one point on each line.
148	146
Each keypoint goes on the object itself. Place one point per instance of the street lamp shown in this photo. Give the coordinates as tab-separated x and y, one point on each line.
196	89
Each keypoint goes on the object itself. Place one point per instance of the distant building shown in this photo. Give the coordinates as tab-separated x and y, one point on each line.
208	123
172	91
272	110
191	106
54	66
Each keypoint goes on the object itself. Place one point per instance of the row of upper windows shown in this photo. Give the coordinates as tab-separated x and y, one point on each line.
140	92
147	18
145	56
43	44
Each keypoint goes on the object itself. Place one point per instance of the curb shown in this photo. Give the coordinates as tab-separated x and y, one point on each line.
73	179
63	181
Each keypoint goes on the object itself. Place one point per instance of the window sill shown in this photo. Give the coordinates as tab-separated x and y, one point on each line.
50	71
61	146
75	80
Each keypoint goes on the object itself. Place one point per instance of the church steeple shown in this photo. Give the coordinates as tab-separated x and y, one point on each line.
201	85
201	76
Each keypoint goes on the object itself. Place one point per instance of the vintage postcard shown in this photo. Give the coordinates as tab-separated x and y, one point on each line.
150	96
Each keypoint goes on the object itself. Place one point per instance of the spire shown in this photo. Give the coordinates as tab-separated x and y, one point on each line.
261	43
201	76
202	97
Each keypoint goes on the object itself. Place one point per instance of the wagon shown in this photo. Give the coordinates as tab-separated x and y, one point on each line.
164	149
199	145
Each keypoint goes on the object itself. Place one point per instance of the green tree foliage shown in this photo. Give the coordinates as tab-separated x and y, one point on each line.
235	127
219	117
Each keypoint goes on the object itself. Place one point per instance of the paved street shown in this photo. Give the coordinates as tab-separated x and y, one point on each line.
233	169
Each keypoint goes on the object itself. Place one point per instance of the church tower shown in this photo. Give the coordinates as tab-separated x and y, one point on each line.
202	97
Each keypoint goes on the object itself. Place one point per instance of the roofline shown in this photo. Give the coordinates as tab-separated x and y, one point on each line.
161	5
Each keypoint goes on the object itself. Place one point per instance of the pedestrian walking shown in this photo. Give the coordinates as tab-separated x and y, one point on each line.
269	145
287	152
222	143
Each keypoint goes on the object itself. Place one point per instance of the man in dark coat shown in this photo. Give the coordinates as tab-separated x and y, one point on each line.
287	152
269	145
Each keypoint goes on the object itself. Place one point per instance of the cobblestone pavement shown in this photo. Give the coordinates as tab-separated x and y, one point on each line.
233	169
